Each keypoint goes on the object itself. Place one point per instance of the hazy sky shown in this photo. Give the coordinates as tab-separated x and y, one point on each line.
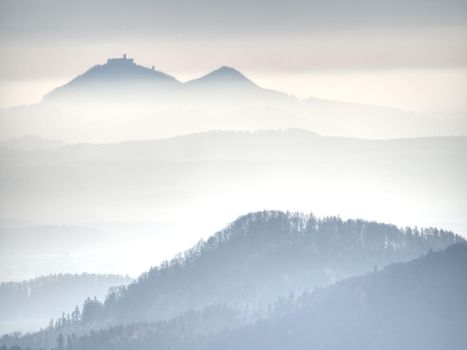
408	54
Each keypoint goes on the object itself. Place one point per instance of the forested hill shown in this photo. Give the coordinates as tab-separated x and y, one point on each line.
259	257
414	305
233	278
30	305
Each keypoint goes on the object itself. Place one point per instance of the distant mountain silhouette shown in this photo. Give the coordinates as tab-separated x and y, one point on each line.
223	75
121	100
121	73
268	169
228	84
30	143
123	77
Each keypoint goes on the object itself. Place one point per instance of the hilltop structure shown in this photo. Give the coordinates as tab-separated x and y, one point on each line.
121	60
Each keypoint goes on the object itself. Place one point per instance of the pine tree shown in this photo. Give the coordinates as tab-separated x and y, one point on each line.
76	315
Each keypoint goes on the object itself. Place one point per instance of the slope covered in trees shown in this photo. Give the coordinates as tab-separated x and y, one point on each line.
263	255
414	305
241	271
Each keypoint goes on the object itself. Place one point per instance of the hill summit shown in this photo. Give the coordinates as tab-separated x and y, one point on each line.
122	77
263	255
120	72
223	75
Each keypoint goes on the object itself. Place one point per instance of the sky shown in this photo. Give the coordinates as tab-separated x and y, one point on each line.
408	54
404	54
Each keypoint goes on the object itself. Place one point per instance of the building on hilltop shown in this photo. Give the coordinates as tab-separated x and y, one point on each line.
121	60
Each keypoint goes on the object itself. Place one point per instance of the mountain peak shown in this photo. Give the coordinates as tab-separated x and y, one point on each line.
228	70
119	72
124	68
223	75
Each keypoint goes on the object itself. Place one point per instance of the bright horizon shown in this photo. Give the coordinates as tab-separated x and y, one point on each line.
400	88
408	55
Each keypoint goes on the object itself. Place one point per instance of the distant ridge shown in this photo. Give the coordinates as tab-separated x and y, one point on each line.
123	75
30	143
120	100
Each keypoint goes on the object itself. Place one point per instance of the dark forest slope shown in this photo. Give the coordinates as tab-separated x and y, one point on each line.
415	305
263	255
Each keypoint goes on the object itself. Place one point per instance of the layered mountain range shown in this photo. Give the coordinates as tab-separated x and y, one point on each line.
162	193
121	100
117	193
